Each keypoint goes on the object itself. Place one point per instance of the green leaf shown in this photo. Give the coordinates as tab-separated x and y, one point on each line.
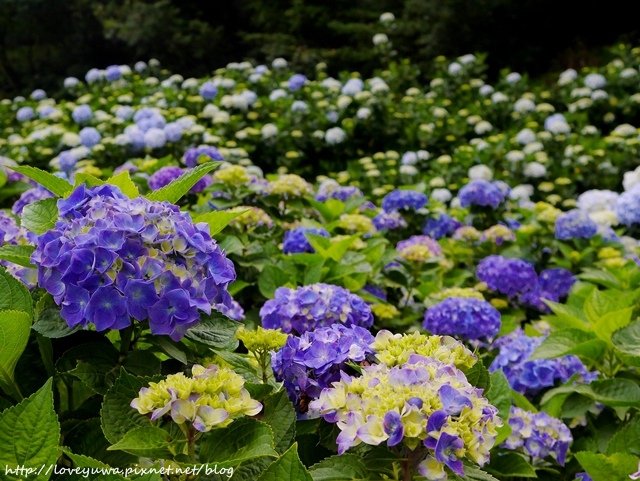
40	216
20	255
48	321
170	348
271	278
617	392
14	296
218	220
287	468
124	183
479	376
30	434
87	179
241	364
616	467
215	331
570	341
175	190
612	321
53	184
281	416
500	394
511	465
242	440
14	334
626	439
146	441
627	339
340	468
471	473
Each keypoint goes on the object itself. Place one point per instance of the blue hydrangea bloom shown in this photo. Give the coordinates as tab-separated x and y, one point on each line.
575	224
24	113
404	199
553	285
169	173
313	306
511	277
628	207
465	318
67	161
442	226
297	81
295	240
482	193
28	197
111	259
13	234
208	90
311	362
193	155
82	114
530	376
113	73
389	221
89	137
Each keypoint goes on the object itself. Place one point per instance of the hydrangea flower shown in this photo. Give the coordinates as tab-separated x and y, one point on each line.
111	259
313	306
498	234
442	226
538	435
482	193
313	361
208	90
82	114
418	248
404	199
553	285
289	185
422	401
29	197
465	317
575	224
232	175
166	175
295	240
333	190
530	376
89	137
196	155
389	221
250	218
213	397
395	349
628	206
13	234
511	277
297	81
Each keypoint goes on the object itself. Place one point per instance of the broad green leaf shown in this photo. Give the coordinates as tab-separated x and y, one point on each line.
53	184
479	376
87	179
30	435
175	190
171	348
47	320
499	393
215	331
340	468
271	278
600	277
511	465
472	473
14	296
242	440
241	364
82	461
288	467
617	392
40	216
124	183
600	467
600	303
566	316
627	339
218	220
612	321
147	441
626	439
570	341
281	416
20	255
14	334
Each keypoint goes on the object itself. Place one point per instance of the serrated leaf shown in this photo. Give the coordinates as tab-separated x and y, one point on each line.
124	183
40	216
14	334
30	434
242	440
627	339
271	278
53	184
48	321
499	393
14	295
218	220
340	468
281	416
570	341
147	441
241	364
626	439
215	331
616	467
511	465
170	348
87	179
18	254
478	376
287	468
612	321
175	190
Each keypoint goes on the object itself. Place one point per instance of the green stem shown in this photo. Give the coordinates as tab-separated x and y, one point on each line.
126	335
13	390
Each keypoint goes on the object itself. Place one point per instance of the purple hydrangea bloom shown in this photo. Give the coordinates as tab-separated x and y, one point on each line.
583	477
111	259
628	207
553	285
295	240
463	317
192	155
376	291
12	234
297	81
208	90
511	277
575	224
404	199
24	113
113	72
164	176
89	137
67	161
389	221
530	376
538	435
82	114
482	193
339	192
442	226
311	362
28	197
311	307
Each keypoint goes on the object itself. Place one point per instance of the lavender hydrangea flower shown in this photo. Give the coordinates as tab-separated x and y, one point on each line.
418	248
389	221
28	197
311	362
553	285
208	90
530	376
82	114
311	307
24	113
511	277
13	234
404	199
194	154
169	173
297	81
333	190
575	224
111	259
463	317
482	193
442	226
89	137
295	240
538	435
628	207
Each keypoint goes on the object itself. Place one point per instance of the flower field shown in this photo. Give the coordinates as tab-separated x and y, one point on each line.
265	275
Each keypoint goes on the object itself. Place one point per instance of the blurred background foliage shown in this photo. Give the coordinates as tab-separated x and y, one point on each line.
42	41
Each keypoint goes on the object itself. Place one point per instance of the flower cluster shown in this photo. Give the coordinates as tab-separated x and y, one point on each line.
442	226
389	221
261	339
198	155
295	240
422	401
464	317
29	197
168	174
395	349
538	435
418	248
575	224
311	362
404	199
530	376
13	234
212	398
332	190
251	218
110	259
482	193
313	306
289	185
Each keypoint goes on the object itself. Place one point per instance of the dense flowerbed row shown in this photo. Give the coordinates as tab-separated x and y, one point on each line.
453	297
